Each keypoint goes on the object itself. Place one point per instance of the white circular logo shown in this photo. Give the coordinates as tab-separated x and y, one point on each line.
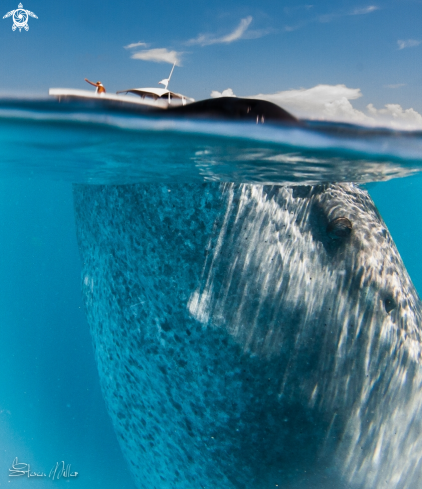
20	18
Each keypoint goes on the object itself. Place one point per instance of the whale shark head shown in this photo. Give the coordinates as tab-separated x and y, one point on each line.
249	335
310	278
323	252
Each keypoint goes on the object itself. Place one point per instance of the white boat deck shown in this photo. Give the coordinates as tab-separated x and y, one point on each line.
72	93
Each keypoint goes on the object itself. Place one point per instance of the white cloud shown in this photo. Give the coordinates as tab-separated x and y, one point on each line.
396	116
159	55
410	43
291	28
289	10
365	10
397	85
330	17
324	19
238	33
333	103
322	101
136	45
256	34
228	92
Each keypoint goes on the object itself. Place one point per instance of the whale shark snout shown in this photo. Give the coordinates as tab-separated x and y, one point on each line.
253	336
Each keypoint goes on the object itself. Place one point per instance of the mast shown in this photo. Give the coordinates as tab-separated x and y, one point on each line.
166	81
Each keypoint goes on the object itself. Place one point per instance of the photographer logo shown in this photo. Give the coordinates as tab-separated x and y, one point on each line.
20	18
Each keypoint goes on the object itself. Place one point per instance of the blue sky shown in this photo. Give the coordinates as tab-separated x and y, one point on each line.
253	48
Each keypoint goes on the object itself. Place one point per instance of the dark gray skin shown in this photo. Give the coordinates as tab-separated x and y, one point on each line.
250	336
233	109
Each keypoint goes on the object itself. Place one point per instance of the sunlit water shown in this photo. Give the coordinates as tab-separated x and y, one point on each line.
51	407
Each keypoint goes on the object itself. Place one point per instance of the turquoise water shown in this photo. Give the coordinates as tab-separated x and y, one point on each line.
51	406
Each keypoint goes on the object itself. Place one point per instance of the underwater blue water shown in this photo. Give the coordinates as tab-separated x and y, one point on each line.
51	407
399	202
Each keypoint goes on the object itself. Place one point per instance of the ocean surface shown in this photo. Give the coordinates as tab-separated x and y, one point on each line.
51	405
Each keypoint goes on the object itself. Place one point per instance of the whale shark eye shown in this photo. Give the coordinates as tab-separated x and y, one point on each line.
339	228
389	304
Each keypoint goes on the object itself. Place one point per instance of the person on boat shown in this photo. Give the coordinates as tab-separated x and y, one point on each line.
99	85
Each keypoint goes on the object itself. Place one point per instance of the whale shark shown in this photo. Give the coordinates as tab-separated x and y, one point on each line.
253	336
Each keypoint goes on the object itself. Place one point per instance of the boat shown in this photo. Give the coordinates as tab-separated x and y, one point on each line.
146	98
165	103
162	95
